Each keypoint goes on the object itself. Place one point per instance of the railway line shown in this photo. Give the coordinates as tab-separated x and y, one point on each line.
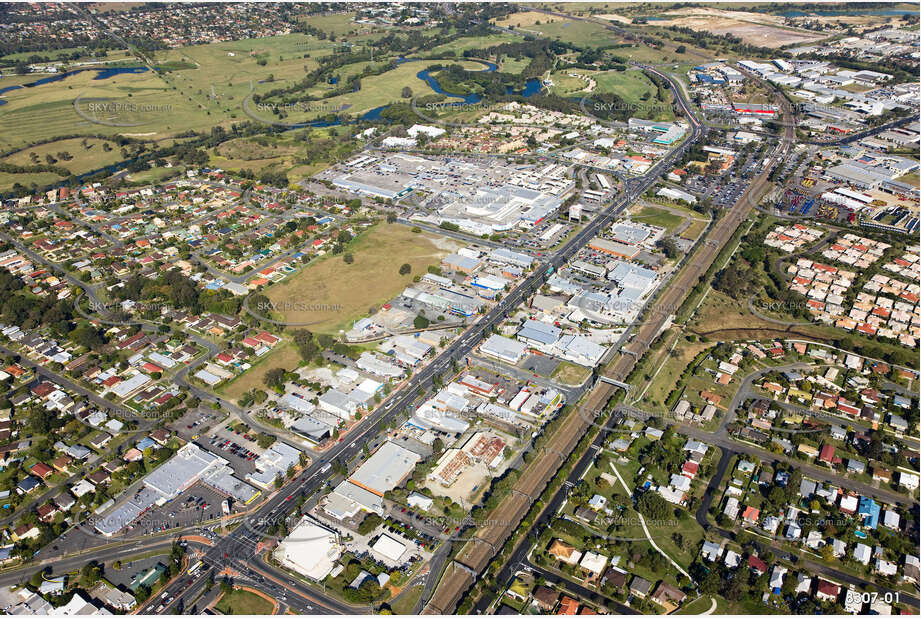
473	559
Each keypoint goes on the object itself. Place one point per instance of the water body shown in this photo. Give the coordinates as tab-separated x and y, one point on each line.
532	87
102	74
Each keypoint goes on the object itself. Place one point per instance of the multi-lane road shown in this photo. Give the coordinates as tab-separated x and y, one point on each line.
476	555
238	547
237	552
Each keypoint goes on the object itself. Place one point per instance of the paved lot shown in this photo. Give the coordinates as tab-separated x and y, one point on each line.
541	365
195	505
195	422
222	442
130	568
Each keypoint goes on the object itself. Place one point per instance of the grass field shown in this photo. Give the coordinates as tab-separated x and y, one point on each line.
284	355
85	157
667	377
47	111
514	66
630	85
245	153
376	90
694	230
244	602
406	602
913	179
581	33
209	94
458	46
636	89
113	55
155	174
335	23
346	291
525	19
695	607
39	179
285	152
659	217
570	373
564	84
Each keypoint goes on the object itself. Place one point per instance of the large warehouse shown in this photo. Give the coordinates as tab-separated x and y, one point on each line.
189	465
500	209
386	469
311	549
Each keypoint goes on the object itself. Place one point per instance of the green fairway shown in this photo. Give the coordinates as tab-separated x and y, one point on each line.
458	46
514	66
635	88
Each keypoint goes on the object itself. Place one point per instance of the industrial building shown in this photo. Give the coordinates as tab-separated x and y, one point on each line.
311	549
503	349
386	469
613	247
189	465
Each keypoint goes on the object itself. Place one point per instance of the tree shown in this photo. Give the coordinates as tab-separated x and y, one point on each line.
652	505
407	92
405	269
306	346
274	377
369	523
348	258
669	247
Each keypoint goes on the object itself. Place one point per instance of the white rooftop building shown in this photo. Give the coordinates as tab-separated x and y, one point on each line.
311	549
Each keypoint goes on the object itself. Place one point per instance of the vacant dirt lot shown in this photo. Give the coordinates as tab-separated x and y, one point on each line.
752	28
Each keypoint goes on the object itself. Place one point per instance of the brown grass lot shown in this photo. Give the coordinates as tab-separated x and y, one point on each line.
523	19
285	355
676	362
332	294
570	373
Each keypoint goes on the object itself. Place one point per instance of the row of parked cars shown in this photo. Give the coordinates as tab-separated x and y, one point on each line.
233	448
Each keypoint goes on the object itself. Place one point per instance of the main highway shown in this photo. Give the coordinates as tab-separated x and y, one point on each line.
236	551
238	546
475	556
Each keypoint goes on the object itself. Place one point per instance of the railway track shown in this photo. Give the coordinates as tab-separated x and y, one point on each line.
487	542
475	556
